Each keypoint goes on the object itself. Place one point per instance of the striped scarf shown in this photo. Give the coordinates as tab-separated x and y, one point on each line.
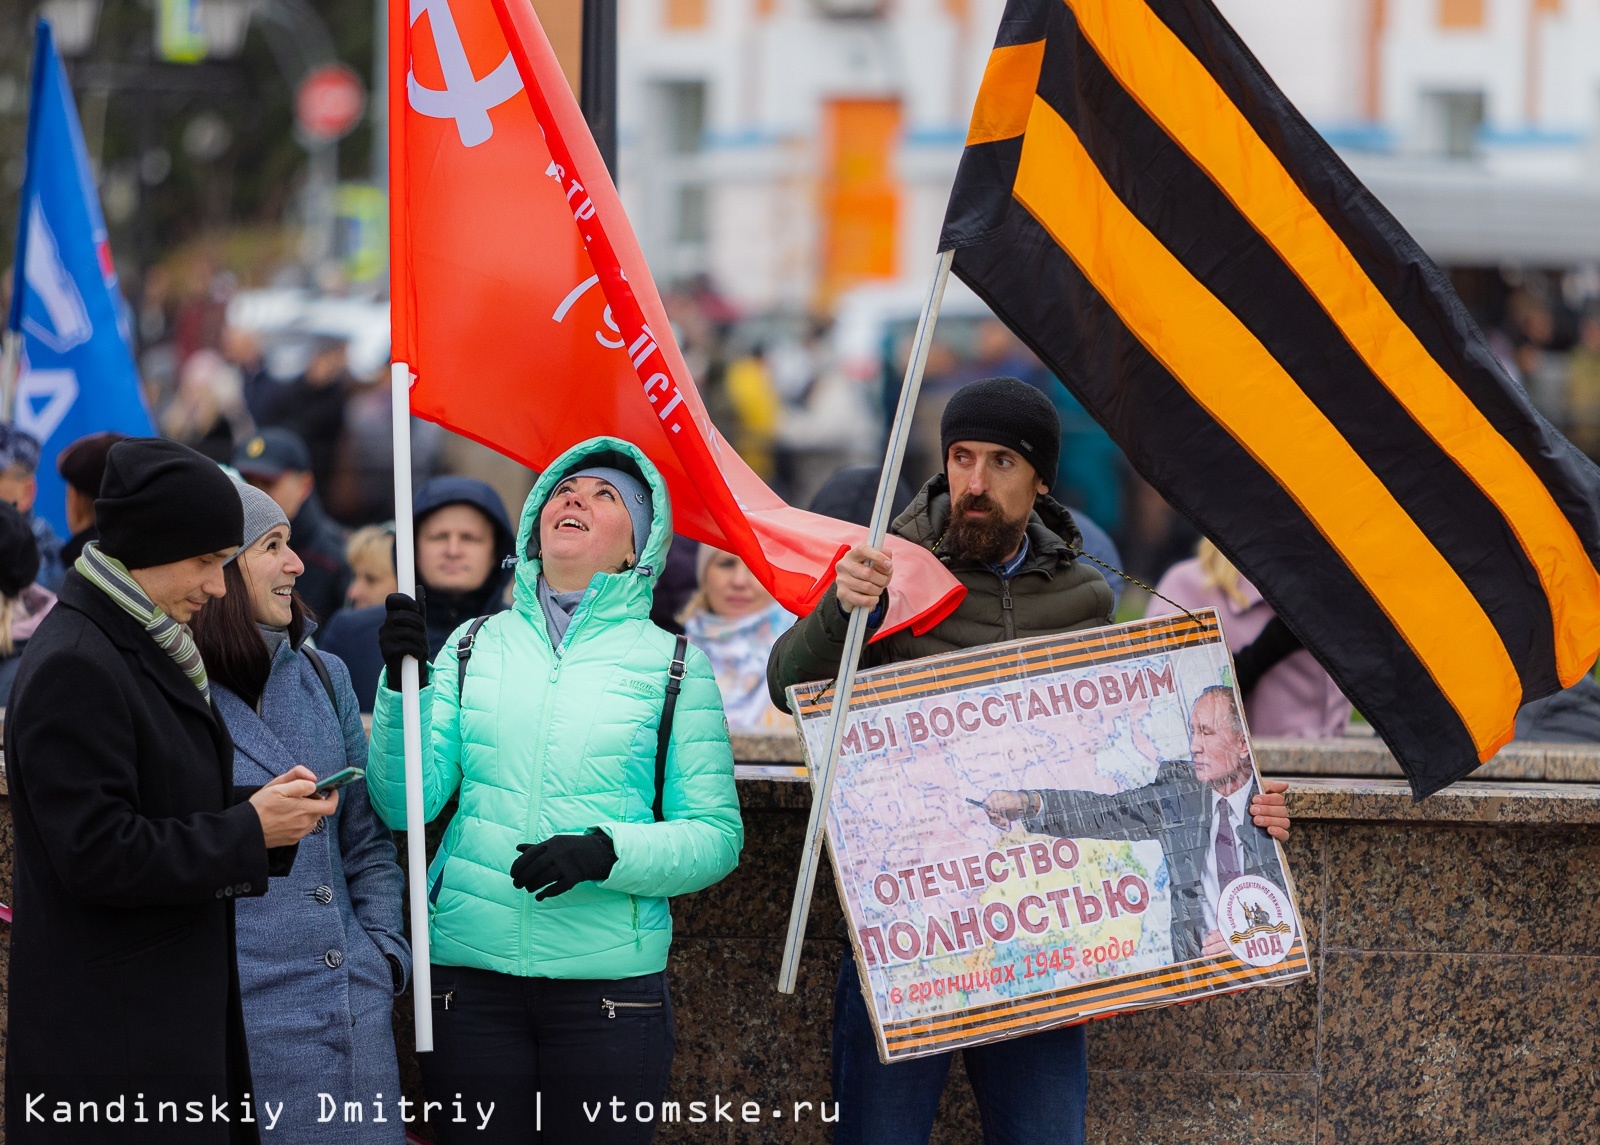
111	577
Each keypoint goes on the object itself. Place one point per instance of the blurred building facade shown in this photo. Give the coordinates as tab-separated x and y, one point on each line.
792	148
1477	122
789	149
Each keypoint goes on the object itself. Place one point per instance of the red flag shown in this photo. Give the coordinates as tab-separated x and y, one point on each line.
523	305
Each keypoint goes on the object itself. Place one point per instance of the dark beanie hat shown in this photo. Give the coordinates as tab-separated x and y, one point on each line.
83	463
162	502
1008	412
19	552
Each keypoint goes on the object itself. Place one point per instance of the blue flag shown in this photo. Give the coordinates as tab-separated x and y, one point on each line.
77	376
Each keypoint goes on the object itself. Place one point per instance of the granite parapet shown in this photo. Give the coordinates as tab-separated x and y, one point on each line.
1470	801
1330	797
1453	944
1454	962
1344	756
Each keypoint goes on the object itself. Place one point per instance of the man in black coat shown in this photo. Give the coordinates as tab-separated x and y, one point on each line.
131	841
1198	809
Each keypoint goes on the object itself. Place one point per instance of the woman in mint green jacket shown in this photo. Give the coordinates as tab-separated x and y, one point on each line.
548	896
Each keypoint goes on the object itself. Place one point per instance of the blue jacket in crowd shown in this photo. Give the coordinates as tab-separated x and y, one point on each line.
315	953
352	634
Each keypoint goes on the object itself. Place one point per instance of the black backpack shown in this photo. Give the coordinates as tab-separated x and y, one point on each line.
663	733
321	669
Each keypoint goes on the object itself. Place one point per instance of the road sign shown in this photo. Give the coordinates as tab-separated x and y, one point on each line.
329	103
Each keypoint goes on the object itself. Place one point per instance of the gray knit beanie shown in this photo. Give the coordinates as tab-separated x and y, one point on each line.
261	515
635	497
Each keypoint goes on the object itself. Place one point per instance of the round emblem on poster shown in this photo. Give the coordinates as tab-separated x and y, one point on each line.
1256	920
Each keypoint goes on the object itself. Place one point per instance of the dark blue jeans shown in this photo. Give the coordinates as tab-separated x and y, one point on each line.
1030	1090
577	1054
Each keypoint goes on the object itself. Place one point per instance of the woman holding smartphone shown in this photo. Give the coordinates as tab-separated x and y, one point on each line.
581	813
323	954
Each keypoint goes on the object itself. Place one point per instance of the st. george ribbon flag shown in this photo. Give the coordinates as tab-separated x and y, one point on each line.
1148	212
77	373
521	300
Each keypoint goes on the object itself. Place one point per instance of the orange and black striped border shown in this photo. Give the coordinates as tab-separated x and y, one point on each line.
1222	974
1149	214
1044	656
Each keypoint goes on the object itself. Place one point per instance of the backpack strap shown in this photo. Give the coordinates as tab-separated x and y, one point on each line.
464	653
321	669
664	733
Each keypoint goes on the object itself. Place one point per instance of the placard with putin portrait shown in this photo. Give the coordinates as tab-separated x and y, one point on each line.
1030	834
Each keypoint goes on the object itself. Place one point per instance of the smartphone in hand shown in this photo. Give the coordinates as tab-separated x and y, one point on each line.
338	779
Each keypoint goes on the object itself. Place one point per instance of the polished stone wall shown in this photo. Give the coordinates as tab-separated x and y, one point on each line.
1456	996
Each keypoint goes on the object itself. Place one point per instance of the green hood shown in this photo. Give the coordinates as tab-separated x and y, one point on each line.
627	593
533	742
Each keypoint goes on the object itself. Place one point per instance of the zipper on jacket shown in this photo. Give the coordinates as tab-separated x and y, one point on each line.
535	789
559	650
584	610
447	997
638	938
1005	608
611	1007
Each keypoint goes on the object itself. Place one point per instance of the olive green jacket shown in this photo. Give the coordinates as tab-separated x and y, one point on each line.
1053	592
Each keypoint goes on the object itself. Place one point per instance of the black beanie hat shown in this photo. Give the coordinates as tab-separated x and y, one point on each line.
162	502
1008	412
19	552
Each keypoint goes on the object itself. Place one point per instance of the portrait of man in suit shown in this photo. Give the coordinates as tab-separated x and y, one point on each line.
1204	812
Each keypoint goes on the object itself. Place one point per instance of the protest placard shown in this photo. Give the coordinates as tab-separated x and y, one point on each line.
1030	834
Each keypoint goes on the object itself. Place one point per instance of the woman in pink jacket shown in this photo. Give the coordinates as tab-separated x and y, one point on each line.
1286	692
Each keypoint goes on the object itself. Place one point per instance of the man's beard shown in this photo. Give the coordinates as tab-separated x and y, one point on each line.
989	539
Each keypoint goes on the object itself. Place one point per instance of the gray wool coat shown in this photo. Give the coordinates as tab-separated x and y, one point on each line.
314	952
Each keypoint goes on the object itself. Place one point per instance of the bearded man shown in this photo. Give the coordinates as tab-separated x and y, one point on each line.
989	518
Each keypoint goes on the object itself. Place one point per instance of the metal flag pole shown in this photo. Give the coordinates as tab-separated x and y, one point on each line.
855	635
405	567
10	364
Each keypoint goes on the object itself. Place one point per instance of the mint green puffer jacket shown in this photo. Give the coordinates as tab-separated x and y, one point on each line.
542	744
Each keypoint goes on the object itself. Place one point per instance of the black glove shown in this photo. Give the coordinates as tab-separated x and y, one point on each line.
404	633
1255	659
561	862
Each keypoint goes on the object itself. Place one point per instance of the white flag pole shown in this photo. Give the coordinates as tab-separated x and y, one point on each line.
10	365
855	635
405	567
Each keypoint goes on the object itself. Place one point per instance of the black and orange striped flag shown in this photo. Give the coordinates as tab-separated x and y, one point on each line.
1275	355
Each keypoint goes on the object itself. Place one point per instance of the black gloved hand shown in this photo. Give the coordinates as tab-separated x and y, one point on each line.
561	862
404	633
1255	659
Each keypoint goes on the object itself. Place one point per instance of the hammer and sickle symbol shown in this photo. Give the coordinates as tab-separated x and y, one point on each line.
465	98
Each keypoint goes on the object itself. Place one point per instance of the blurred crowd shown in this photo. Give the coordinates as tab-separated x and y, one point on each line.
302	413
221	365
1544	328
775	386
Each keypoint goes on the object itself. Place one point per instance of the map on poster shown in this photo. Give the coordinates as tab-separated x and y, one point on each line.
1030	834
